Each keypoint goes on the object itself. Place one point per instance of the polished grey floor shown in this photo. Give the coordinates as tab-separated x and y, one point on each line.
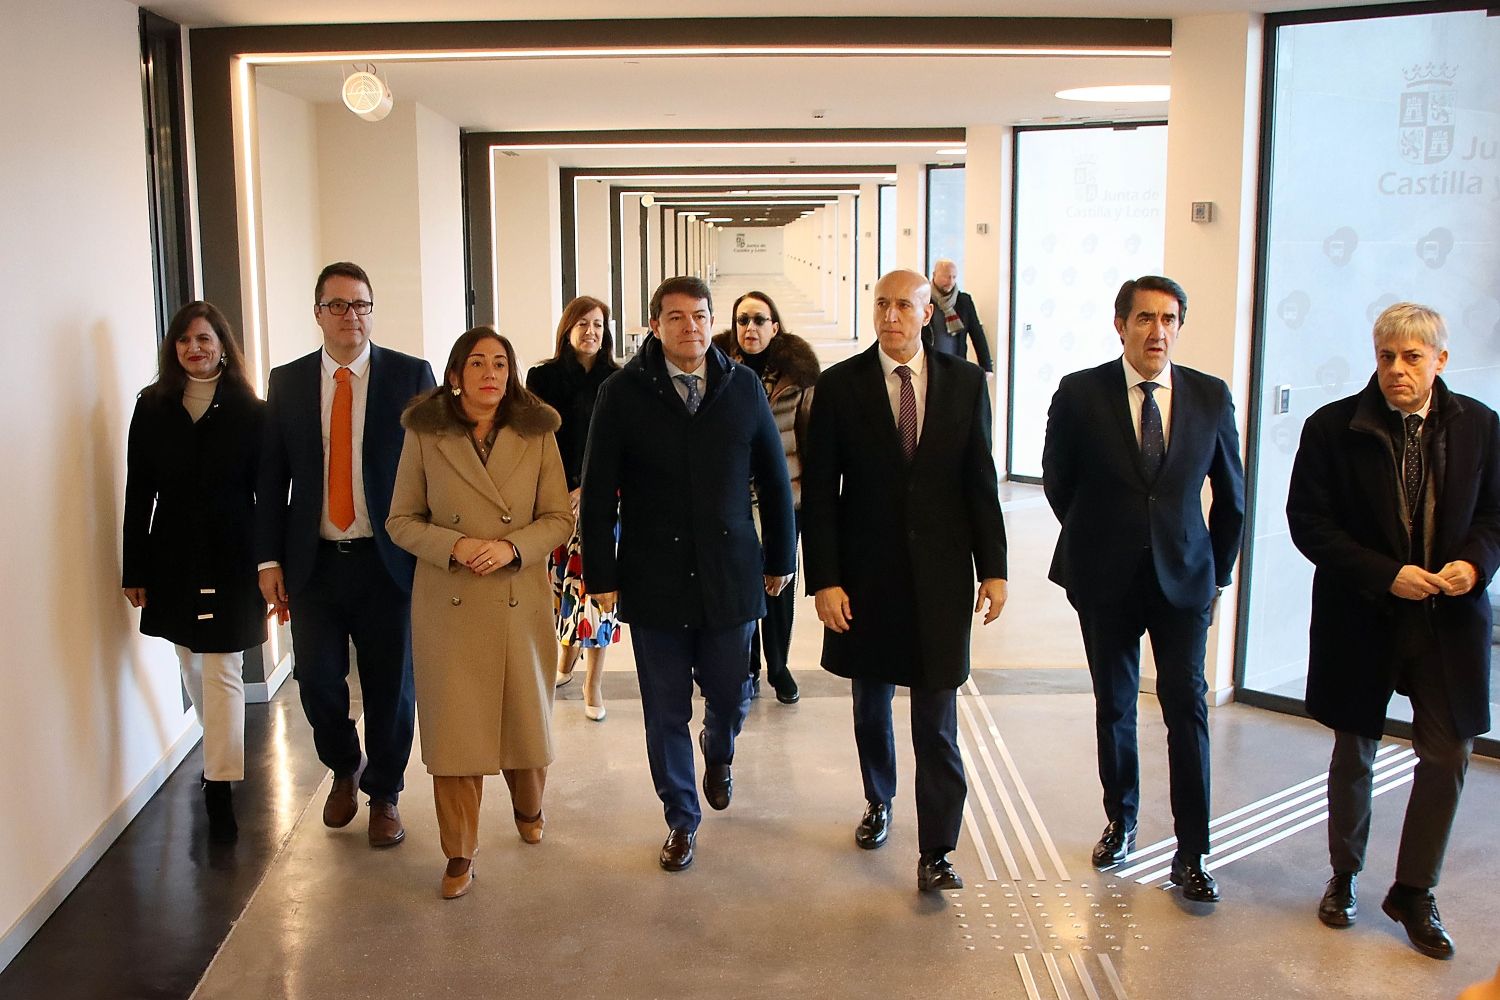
780	902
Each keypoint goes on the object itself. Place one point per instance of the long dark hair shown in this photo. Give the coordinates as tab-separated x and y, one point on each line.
516	394
572	313
171	379
734	311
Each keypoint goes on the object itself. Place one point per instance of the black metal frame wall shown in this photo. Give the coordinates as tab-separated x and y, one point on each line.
166	164
1485	746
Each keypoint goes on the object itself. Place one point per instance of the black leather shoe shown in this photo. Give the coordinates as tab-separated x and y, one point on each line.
755	686
677	852
1416	910
718	782
219	801
935	873
1114	844
788	694
1340	905
875	827
1189	875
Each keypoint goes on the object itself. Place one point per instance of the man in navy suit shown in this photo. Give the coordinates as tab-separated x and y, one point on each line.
901	511
1128	447
328	465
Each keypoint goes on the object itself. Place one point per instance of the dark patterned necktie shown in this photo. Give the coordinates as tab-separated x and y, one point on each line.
693	399
907	424
1153	441
1411	461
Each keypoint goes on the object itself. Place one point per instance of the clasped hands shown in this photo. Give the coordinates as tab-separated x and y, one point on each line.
1414	583
834	611
483	556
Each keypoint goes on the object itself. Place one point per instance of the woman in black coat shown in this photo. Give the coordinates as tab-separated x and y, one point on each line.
569	383
189	509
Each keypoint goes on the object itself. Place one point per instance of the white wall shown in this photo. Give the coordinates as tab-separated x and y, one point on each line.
440	234
367	184
754	250
291	221
591	215
911	217
528	257
986	277
94	711
1216	63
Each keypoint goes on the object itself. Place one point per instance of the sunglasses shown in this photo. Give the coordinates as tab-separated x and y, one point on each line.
745	319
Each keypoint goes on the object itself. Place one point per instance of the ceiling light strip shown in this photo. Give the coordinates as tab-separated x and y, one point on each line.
691	51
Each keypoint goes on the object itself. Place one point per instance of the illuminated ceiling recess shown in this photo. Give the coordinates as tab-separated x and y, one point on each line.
1128	94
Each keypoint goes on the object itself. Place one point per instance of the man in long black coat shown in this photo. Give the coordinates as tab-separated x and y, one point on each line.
1129	445
901	514
1395	498
954	322
677	437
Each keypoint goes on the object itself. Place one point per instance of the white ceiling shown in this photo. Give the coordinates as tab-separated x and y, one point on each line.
217	13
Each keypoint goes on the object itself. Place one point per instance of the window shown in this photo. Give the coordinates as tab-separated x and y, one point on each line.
1380	185
166	155
885	259
945	217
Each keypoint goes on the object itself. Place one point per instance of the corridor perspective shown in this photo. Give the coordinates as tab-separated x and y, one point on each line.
1295	170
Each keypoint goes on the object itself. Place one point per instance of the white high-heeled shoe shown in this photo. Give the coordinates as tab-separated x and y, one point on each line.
595	713
562	678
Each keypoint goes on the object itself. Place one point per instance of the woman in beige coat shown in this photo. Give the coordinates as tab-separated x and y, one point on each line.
480	500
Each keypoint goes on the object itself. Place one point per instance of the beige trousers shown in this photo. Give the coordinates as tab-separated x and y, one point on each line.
216	685
457	798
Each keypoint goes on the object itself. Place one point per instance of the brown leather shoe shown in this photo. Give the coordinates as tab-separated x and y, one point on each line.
342	804
456	883
385	824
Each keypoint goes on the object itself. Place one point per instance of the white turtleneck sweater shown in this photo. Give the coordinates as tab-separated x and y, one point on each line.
198	395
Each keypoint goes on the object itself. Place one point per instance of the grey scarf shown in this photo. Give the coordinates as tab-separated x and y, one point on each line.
947	305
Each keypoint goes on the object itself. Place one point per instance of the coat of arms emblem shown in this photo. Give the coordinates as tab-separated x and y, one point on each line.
1426	113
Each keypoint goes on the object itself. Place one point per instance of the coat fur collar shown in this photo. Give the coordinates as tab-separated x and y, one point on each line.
788	356
528	416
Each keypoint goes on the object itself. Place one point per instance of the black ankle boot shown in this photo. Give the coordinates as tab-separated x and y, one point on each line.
219	800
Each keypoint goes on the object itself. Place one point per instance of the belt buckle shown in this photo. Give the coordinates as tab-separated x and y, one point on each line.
344	545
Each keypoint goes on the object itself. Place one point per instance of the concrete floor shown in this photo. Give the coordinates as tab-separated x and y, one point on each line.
781	903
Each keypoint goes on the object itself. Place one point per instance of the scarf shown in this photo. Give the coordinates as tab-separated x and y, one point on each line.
947	305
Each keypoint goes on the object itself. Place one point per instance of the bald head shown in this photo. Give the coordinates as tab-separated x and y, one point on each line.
944	275
903	304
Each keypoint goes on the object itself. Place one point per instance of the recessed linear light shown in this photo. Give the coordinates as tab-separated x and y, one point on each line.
605	52
952	152
719	218
1125	94
851	144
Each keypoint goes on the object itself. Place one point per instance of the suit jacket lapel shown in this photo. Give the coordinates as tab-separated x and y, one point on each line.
937	400
1117	399
877	404
1189	418
465	461
505	459
309	401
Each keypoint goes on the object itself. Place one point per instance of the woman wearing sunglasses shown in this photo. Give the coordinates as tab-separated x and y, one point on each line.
787	368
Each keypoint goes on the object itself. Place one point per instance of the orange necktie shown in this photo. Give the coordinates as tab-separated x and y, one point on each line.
341	453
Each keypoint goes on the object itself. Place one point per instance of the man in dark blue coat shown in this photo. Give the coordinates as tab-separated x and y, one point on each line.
1129	445
901	506
333	438
677	437
1395	498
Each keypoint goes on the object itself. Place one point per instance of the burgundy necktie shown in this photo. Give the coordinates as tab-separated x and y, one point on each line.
907	424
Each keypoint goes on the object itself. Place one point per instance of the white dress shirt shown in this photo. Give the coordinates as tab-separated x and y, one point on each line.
1162	395
700	373
918	366
359	383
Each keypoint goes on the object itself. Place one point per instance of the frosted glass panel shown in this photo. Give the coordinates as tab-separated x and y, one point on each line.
1385	185
1088	216
945	217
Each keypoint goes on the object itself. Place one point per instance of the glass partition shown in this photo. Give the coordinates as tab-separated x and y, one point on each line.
1088	215
945	217
1381	183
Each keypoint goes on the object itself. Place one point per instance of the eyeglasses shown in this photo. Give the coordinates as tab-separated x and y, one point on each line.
746	319
338	306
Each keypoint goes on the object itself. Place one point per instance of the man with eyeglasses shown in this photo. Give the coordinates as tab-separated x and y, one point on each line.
328	465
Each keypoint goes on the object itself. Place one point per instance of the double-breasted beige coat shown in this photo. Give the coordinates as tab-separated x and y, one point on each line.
482	646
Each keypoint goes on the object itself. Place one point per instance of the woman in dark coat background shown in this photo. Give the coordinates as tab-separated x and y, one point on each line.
189	506
569	383
787	368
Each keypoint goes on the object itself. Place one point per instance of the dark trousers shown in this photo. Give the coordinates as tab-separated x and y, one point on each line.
667	662
940	784
351	596
1112	641
1437	782
774	635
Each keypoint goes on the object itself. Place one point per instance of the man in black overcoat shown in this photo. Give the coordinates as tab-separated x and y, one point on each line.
1395	498
954	323
1129	445
677	437
901	515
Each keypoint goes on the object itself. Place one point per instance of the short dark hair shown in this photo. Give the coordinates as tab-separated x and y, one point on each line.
572	313
171	379
683	284
1150	283
342	269
515	393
